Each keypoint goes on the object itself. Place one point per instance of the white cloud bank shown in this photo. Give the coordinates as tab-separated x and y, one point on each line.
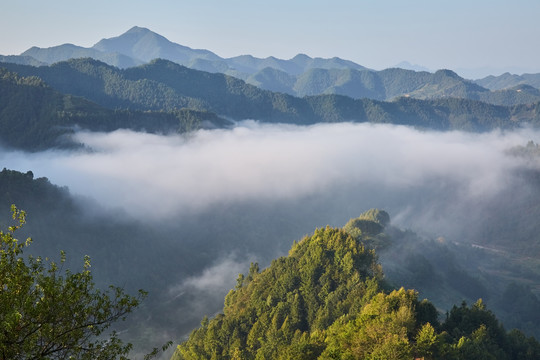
173	174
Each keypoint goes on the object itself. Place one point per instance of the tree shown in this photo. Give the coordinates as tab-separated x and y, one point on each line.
426	342
50	313
382	330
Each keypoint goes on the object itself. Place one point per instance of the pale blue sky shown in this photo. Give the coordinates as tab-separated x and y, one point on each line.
374	33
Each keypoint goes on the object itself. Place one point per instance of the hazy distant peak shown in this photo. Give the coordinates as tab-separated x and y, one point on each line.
64	46
145	45
32	49
20	59
64	52
245	56
447	72
508	80
408	66
140	45
301	57
130	39
138	29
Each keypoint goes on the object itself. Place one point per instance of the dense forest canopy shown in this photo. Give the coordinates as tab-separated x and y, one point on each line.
432	269
327	300
155	97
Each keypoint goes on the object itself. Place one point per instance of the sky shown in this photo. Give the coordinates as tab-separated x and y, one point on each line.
472	34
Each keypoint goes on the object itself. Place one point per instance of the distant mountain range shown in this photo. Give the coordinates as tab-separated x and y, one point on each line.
139	45
390	84
40	102
508	80
37	104
299	76
34	116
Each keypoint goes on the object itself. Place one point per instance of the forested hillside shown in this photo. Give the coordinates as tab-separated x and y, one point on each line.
508	80
33	116
150	96
390	84
157	257
327	300
444	271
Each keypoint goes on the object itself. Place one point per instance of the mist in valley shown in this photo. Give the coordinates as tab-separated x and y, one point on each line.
182	215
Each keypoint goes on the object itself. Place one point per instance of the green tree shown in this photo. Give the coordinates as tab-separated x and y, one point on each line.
381	331
50	313
427	342
326	301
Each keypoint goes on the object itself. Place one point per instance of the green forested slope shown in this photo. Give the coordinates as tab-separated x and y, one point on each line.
165	86
388	84
519	94
440	270
33	116
508	80
69	51
447	272
39	103
327	300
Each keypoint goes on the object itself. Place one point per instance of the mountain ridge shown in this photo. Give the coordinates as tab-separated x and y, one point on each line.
299	76
164	86
328	300
34	116
145	45
140	45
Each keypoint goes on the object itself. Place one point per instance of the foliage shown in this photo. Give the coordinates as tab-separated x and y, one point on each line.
282	309
531	151
33	116
47	313
192	120
448	272
164	87
507	80
326	300
368	228
34	194
381	330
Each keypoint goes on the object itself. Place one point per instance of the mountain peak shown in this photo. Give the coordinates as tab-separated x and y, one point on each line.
133	35
301	57
138	42
138	29
408	66
447	72
145	45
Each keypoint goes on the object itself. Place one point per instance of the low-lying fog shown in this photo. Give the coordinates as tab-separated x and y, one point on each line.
249	192
161	177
